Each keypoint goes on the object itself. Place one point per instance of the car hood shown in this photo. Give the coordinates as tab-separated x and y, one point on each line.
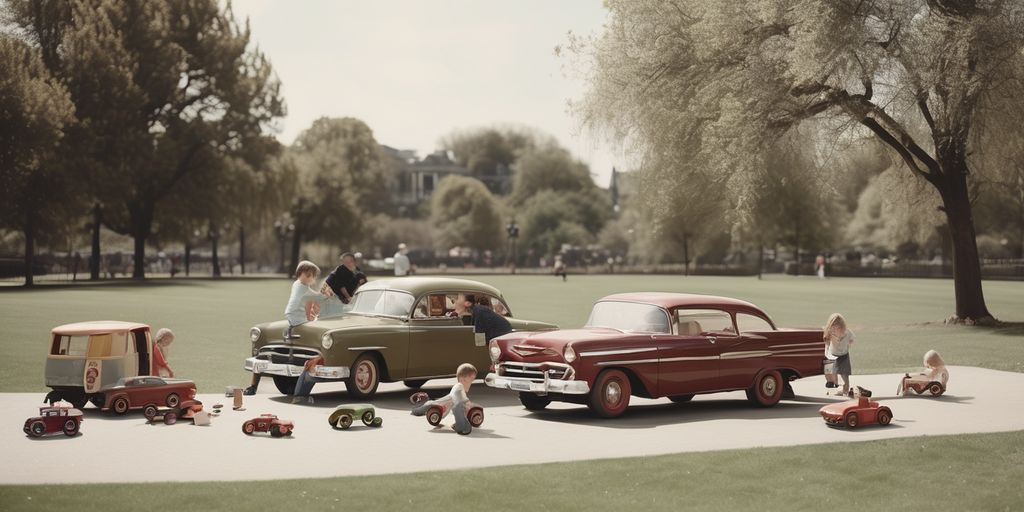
841	408
550	345
275	330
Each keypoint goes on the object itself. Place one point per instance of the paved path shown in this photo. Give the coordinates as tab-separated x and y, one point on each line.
127	449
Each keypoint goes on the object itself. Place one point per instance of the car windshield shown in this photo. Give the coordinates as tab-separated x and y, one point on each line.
629	316
382	302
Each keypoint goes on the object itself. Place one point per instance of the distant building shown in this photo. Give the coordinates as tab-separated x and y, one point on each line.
417	178
622	185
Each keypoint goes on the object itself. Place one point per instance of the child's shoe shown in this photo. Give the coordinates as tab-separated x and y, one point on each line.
309	400
296	399
249	391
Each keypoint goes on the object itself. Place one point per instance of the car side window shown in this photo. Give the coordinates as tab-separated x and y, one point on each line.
499	307
697	322
435	305
749	323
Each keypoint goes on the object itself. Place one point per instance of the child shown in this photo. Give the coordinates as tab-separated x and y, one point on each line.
161	342
935	371
459	395
303	305
838	340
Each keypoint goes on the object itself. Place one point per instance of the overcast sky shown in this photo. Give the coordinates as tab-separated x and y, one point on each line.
416	70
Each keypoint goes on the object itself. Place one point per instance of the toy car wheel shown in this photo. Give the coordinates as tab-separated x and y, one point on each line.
884	416
534	402
852	420
476	417
936	389
434	416
172	400
285	430
276	431
70	428
767	390
121	405
419	398
610	396
248	427
149	412
414	384
378	421
680	399
365	377
368	418
37	429
345	421
170	418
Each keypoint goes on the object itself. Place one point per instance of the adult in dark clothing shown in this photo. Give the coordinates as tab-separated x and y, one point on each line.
346	279
482	318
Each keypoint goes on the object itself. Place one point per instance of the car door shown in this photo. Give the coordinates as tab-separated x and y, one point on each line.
438	343
687	360
757	338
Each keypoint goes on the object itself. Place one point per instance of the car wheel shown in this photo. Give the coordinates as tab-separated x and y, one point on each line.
172	400
70	428
365	376
170	418
38	429
414	384
852	420
121	405
285	385
936	389
434	416
248	427
534	402
149	412
680	399
610	396
345	421
367	418
767	389
884	417
476	417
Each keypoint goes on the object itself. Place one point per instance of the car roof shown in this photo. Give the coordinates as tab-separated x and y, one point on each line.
99	327
419	285
675	300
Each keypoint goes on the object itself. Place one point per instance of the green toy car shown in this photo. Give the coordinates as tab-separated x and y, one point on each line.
344	415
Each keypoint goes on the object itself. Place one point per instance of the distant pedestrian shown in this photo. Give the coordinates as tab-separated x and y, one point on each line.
559	268
74	265
402	264
819	266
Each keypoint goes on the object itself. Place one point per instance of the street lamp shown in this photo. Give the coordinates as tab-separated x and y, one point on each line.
513	233
283	228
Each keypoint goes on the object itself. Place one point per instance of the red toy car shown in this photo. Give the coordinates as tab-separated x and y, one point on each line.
474	412
136	392
268	423
52	420
854	413
171	415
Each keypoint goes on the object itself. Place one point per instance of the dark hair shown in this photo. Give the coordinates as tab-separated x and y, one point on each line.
470	298
344	254
484	301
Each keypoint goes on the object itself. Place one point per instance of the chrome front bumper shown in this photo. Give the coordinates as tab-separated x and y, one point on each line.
262	366
568	387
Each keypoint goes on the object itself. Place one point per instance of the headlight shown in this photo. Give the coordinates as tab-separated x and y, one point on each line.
326	341
495	351
570	354
254	334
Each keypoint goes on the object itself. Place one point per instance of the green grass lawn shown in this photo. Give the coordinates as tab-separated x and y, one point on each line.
896	321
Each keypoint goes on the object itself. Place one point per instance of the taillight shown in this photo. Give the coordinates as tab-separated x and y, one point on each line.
192	393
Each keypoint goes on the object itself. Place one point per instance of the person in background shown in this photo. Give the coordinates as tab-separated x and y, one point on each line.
341	285
559	268
161	343
402	264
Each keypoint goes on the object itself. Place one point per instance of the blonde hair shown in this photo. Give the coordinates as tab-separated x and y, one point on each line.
306	266
932	355
465	370
835	320
163	339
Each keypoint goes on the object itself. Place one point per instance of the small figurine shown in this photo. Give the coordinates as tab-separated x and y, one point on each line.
268	423
933	380
54	419
170	415
854	413
467	414
344	415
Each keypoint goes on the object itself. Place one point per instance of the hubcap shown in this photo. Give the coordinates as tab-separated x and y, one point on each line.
364	376
612	393
768	386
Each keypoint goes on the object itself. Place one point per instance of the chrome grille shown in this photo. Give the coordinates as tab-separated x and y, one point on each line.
536	371
286	354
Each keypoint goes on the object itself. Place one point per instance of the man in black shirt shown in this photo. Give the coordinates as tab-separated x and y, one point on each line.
482	318
346	279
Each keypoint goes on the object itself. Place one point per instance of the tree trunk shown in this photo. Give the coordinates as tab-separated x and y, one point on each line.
686	255
760	260
188	256
241	248
142	223
30	244
214	257
970	299
796	242
94	260
296	246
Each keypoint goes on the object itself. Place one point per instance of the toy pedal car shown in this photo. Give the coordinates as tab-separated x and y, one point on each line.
52	420
344	415
171	415
920	384
268	423
474	412
855	413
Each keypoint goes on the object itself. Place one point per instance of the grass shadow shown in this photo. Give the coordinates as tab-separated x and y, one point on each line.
1005	328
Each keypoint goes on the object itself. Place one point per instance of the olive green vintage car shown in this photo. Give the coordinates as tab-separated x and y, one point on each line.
400	329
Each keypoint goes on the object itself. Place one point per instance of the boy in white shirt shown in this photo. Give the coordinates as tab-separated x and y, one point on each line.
459	396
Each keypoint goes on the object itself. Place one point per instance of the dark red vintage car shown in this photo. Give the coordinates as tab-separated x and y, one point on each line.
52	420
137	392
656	345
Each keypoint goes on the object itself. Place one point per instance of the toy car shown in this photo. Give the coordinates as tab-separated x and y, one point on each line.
474	412
54	419
344	415
135	392
268	423
171	415
855	413
921	384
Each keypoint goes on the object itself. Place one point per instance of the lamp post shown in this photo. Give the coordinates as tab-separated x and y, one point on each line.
513	233
283	228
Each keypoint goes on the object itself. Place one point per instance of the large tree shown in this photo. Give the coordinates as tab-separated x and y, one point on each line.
719	81
464	213
491	153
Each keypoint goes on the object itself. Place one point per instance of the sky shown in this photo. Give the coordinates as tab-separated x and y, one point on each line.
414	71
